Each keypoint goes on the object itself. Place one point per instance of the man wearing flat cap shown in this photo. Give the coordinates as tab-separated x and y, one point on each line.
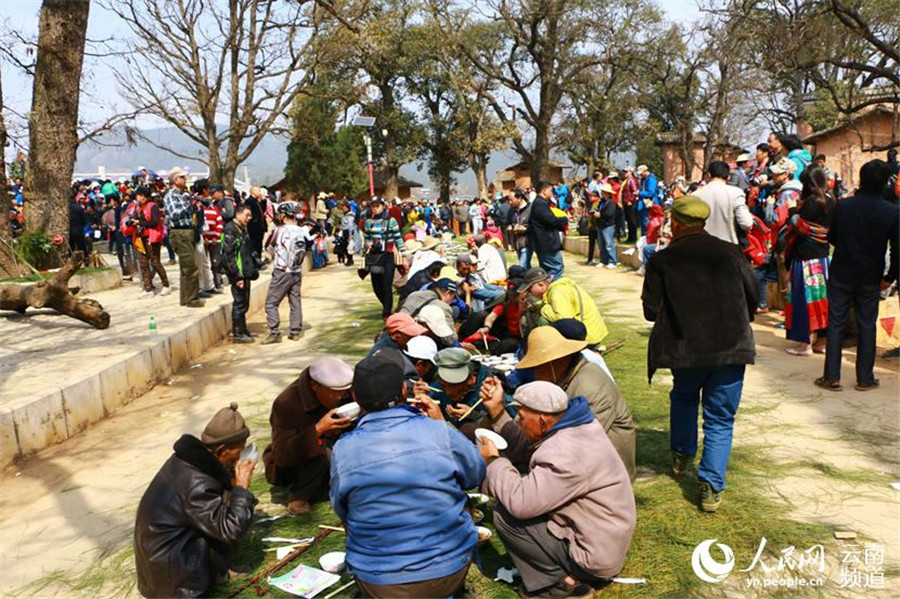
303	426
398	483
181	219
195	510
565	508
701	296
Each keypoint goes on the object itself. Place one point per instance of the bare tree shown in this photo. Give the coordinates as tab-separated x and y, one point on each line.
53	121
222	73
541	46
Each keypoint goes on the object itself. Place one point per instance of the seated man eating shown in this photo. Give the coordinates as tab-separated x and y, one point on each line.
303	422
458	386
195	510
397	482
567	522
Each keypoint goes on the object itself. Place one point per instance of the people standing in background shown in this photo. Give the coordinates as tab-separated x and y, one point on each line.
861	229
647	195
544	231
629	197
148	238
240	266
182	223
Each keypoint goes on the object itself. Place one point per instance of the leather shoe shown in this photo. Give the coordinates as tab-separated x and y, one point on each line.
298	507
241	338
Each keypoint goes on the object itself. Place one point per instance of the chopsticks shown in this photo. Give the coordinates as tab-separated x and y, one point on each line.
334	528
336	591
472	409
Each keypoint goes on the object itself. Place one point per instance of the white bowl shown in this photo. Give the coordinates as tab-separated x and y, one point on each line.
484	534
334	562
350	410
497	440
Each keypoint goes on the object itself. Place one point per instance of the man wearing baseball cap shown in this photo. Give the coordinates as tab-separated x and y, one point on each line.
647	195
421	351
398	482
567	523
195	511
303	424
701	296
438	296
547	302
459	382
399	328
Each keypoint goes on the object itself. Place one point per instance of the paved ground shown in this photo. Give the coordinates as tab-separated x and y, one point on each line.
42	342
69	506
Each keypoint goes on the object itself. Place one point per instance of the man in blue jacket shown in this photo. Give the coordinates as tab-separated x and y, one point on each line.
646	196
397	482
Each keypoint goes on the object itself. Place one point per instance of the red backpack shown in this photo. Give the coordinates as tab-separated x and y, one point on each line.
759	243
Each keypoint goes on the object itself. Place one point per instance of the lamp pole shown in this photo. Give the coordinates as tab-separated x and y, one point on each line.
368	140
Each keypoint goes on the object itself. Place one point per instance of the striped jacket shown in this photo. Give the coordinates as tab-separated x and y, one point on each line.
386	230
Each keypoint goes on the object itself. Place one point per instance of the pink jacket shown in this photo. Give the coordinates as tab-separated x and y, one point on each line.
577	479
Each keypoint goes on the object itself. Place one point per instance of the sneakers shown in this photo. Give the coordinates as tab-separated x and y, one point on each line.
681	463
241	338
166	291
145	294
612	266
272	338
867	386
295	336
709	499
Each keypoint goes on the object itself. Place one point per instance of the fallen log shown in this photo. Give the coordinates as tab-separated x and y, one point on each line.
55	293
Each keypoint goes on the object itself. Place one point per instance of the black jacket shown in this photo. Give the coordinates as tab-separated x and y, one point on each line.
237	254
607	210
185	526
860	230
701	295
544	228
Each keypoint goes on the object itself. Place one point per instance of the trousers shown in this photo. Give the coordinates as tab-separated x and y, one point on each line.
719	388
865	298
150	263
182	241
541	559
382	285
284	284
239	307
445	586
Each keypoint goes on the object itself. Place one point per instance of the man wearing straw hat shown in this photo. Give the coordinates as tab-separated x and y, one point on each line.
567	523
560	361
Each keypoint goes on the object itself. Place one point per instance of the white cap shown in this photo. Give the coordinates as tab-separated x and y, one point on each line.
421	348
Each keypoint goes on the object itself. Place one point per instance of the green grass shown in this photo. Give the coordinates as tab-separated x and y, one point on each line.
669	525
40	276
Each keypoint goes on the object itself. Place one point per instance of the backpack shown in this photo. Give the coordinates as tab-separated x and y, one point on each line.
758	243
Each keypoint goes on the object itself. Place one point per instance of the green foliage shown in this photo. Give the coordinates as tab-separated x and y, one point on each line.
320	157
649	153
37	249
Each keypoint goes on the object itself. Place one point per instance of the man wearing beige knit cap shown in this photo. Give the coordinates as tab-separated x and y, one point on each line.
195	510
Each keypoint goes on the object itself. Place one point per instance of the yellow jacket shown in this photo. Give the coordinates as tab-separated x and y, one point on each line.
566	299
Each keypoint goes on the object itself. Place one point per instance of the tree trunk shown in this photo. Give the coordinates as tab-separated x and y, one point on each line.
55	293
53	122
480	168
540	167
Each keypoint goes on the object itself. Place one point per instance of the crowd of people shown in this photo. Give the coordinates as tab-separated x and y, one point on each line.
396	442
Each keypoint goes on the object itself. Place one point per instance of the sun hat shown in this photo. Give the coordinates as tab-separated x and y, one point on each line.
546	344
785	165
430	243
176	172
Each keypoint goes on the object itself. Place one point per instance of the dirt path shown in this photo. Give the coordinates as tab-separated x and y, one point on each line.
73	504
65	509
